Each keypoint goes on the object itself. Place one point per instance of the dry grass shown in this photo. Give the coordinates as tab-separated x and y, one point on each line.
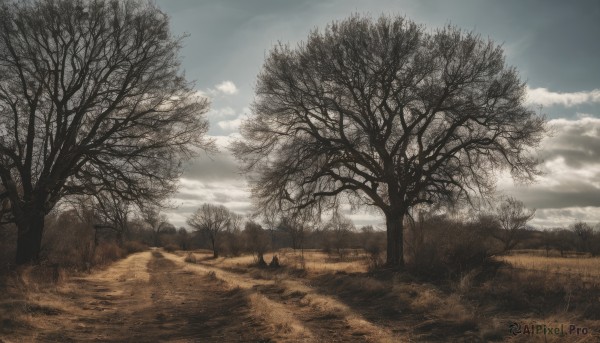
327	301
38	305
274	302
319	262
281	319
346	279
584	267
312	261
277	316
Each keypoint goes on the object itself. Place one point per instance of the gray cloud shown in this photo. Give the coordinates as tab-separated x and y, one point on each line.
564	217
188	196
575	141
221	166
572	174
571	181
221	197
543	96
567	194
552	44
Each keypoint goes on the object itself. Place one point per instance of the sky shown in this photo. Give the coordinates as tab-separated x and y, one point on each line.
553	44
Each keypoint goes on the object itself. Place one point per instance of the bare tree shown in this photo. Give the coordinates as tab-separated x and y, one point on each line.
156	222
102	212
91	99
85	208
584	233
183	239
512	217
296	229
371	241
235	240
211	220
114	213
269	219
236	221
385	114
340	229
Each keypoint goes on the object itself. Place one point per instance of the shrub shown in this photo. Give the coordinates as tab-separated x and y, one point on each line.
448	248
171	247
375	260
107	252
68	241
275	262
190	258
373	243
131	247
8	239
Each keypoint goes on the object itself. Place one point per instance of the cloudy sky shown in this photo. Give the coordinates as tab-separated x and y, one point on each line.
554	45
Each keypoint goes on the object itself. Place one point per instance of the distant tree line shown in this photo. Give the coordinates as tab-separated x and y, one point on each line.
83	232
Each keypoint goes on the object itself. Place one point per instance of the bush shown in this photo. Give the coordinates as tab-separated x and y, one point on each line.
448	248
46	273
171	247
67	241
107	252
190	258
131	247
372	242
375	260
8	239
232	243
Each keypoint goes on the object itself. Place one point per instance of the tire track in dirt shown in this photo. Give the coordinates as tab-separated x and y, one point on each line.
147	298
323	318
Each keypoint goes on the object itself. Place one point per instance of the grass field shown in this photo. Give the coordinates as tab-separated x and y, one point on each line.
156	295
587	268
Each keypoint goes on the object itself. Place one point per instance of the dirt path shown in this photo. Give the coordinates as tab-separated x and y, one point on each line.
309	315
144	298
157	297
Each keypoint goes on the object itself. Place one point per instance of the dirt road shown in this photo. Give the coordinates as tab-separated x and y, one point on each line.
157	297
144	298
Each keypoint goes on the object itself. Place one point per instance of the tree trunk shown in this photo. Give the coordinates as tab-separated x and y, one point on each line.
29	240
261	260
156	239
395	241
214	246
294	242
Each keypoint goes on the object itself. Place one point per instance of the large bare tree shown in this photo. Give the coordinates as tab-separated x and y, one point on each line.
384	113
91	99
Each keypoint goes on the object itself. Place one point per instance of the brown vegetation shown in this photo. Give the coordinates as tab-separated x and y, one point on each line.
160	296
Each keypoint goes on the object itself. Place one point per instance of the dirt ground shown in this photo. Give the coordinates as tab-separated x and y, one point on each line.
157	297
144	298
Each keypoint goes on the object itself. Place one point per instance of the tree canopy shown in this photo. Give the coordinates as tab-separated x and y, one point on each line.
92	99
